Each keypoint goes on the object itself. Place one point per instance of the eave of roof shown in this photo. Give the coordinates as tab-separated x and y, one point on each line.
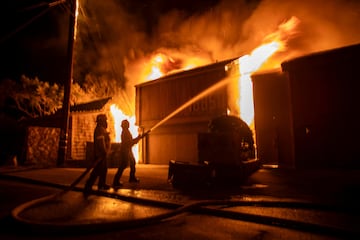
96	105
55	120
190	72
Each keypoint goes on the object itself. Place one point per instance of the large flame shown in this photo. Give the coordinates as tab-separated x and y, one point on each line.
161	64
118	117
155	67
250	63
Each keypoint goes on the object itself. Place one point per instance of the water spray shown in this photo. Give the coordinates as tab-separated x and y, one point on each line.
191	101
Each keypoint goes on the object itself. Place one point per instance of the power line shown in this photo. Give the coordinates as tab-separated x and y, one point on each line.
42	4
98	36
21	27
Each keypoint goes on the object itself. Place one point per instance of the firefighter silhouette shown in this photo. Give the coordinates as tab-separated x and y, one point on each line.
126	155
101	150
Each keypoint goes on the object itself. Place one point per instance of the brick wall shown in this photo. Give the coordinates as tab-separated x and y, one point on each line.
83	125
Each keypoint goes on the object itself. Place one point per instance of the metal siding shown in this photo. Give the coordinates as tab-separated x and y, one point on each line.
274	136
177	138
324	90
82	132
159	99
173	146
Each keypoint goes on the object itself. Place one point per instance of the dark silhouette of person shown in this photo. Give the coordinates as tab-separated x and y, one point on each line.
101	151
126	156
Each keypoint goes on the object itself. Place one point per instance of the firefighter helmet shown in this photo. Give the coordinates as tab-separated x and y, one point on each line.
125	124
101	118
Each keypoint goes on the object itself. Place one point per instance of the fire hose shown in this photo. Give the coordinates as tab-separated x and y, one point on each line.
71	187
205	207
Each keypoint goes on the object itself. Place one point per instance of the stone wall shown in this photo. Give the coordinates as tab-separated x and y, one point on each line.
42	146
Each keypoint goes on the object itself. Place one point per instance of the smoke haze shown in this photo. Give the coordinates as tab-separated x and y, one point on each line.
220	31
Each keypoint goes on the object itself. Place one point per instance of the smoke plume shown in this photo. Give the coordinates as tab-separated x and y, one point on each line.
126	39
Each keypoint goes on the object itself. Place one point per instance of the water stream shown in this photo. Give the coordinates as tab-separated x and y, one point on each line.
204	93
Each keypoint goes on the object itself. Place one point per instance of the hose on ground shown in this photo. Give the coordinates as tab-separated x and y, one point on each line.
198	207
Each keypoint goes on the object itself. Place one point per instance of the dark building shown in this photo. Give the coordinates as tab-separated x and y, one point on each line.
43	134
306	116
305	113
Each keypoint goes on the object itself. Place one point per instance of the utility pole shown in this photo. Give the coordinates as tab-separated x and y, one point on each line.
62	152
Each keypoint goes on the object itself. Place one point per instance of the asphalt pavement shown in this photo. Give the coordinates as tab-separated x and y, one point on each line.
328	188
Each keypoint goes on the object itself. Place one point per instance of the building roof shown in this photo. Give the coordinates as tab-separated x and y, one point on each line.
55	120
186	73
341	56
96	105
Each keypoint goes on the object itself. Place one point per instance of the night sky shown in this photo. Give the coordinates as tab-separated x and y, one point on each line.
33	37
31	41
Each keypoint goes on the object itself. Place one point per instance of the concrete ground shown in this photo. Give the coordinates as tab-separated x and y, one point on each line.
327	186
336	189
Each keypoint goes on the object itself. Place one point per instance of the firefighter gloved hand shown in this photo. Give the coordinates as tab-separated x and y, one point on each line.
146	133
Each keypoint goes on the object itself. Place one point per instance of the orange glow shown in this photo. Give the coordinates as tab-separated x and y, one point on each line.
155	67
161	64
248	64
118	116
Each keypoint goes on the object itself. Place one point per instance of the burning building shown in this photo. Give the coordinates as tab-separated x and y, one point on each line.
185	114
179	106
176	138
164	105
305	112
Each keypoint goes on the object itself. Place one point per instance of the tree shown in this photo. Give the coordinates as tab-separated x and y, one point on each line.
32	97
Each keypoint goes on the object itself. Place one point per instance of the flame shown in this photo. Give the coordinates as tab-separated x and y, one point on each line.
250	63
161	64
155	67
118	117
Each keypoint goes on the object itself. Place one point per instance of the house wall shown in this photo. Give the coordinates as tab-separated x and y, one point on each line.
82	134
83	125
174	142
